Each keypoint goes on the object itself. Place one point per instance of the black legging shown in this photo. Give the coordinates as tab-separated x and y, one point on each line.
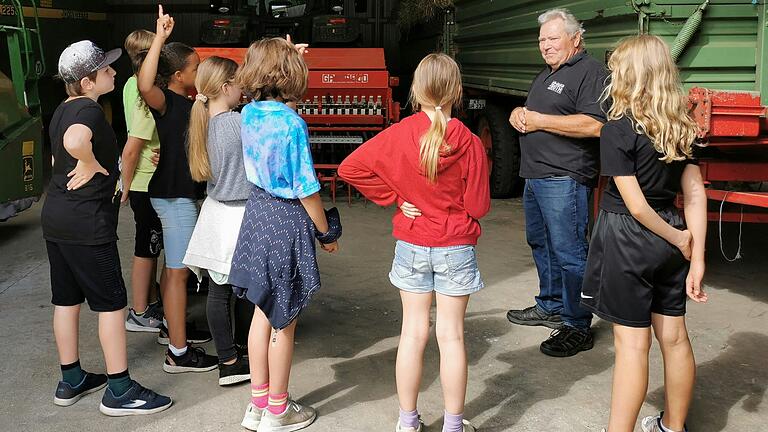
220	323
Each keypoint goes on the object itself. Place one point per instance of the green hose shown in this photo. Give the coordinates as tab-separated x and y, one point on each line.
690	27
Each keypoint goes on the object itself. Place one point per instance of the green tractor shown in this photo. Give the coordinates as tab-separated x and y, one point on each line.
21	125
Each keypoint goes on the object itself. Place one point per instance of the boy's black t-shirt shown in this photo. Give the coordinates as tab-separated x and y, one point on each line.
624	152
172	178
88	215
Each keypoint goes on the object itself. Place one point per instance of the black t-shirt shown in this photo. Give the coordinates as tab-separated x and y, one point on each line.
624	152
88	215
172	178
574	88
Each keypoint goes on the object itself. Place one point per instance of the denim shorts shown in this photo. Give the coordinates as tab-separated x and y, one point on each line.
450	271
178	217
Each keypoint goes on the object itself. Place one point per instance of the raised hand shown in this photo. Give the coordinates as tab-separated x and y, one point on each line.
164	23
300	47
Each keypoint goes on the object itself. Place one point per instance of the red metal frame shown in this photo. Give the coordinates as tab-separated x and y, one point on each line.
735	123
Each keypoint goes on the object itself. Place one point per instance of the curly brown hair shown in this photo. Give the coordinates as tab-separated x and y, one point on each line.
273	68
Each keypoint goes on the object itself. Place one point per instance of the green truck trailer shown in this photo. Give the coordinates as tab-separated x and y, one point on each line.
21	143
720	46
32	34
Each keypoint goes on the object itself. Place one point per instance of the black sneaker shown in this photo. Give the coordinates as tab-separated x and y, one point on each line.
567	341
137	400
237	372
242	350
66	394
194	335
194	360
534	316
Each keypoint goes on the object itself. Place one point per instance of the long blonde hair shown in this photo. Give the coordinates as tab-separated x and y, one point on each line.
273	68
645	86
436	83
212	74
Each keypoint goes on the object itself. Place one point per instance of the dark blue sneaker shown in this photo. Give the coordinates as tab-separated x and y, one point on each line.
66	394
137	400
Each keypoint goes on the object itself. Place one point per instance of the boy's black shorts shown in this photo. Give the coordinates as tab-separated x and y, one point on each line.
631	272
149	230
83	272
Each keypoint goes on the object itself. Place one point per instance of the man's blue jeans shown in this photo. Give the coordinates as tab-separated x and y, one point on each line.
556	219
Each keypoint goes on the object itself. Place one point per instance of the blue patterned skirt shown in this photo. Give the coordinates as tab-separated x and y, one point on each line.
274	261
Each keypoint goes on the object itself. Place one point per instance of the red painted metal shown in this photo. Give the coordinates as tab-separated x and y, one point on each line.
338	77
726	113
734	123
756	199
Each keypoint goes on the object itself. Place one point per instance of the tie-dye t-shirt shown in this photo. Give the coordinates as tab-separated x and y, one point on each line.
276	150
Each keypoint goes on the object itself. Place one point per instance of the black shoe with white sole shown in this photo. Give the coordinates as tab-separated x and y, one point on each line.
234	373
67	394
194	360
137	400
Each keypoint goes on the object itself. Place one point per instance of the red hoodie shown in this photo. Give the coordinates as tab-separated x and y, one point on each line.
386	170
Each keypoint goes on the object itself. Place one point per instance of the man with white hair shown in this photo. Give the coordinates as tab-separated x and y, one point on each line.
559	128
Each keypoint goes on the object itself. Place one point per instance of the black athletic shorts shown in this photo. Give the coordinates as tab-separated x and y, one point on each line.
149	230
631	272
83	272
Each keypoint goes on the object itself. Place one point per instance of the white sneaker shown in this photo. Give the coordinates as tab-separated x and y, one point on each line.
399	428
294	417
468	426
252	417
653	424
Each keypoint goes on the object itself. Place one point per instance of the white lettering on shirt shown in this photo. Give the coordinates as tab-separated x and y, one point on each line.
556	87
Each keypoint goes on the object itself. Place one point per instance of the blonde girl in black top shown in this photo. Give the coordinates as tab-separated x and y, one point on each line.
643	261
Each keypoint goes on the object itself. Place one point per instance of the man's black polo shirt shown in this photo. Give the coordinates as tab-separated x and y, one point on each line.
574	88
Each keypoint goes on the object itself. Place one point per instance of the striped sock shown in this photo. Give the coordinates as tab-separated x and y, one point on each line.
278	403
260	395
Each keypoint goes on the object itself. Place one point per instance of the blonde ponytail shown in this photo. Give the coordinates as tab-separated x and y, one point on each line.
199	166
212	74
436	83
431	144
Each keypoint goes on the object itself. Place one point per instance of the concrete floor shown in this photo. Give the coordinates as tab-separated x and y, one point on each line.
347	339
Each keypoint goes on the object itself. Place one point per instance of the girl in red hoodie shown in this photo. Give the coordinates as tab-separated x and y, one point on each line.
436	171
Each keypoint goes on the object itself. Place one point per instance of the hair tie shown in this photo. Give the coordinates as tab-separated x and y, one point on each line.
201	97
438	108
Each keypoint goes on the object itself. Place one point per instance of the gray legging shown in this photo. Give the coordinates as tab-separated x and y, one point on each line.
220	323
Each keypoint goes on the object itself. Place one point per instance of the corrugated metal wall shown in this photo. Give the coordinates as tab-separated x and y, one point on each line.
497	41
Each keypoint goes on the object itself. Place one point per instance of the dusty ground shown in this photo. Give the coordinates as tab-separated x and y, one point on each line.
344	363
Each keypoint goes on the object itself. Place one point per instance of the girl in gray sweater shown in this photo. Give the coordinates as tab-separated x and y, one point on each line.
215	156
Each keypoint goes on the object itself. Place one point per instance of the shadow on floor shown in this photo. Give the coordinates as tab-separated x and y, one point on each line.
737	375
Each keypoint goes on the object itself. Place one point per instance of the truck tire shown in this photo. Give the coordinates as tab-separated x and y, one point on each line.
503	149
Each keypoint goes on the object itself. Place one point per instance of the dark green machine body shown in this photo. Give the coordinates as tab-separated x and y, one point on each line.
496	41
719	44
32	35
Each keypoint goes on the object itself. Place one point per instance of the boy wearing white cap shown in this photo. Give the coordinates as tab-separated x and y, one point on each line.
79	221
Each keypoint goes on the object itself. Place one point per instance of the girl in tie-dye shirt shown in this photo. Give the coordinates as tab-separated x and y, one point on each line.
274	262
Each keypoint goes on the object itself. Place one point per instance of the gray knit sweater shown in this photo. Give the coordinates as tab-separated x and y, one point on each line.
225	154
